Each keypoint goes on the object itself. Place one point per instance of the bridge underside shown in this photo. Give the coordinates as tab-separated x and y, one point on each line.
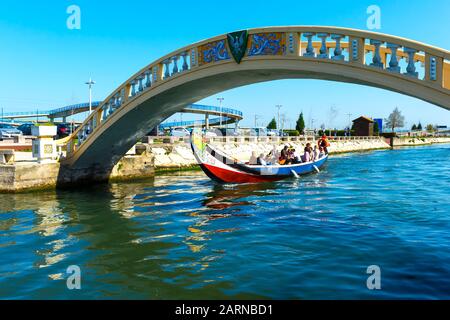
131	122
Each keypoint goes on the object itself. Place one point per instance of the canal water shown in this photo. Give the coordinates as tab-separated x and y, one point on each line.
181	236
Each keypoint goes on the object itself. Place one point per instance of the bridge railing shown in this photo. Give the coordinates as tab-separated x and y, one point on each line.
39	113
74	108
193	123
215	109
335	46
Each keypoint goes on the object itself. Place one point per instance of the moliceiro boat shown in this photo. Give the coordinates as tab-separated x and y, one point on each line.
225	169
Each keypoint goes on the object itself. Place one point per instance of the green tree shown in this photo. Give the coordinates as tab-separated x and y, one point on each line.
430	128
300	125
395	120
414	127
272	124
419	126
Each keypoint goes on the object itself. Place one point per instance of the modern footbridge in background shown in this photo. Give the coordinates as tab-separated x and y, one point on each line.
226	115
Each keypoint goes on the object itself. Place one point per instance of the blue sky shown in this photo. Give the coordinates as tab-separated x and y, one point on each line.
44	64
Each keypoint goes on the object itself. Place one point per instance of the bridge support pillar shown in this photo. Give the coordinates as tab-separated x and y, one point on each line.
43	146
206	121
64	119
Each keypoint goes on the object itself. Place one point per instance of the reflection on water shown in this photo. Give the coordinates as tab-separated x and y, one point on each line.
181	236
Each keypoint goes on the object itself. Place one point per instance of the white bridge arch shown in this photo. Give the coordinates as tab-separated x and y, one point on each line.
208	67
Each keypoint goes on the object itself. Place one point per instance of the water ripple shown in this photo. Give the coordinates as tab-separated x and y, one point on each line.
181	236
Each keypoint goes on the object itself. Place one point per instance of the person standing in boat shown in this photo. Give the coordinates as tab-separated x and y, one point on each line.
324	143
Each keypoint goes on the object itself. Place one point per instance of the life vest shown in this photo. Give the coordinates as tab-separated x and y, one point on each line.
324	142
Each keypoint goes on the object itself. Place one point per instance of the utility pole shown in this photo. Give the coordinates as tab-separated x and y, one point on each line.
349	120
278	106
332	114
349	124
220	106
90	83
283	121
256	119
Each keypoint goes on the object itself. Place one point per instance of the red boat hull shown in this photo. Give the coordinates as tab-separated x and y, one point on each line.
228	176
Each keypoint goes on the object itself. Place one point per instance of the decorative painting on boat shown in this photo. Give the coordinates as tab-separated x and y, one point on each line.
213	52
273	43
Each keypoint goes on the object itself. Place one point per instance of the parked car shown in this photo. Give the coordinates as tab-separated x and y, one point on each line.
156	132
8	131
212	133
273	132
260	131
63	130
25	128
228	132
179	132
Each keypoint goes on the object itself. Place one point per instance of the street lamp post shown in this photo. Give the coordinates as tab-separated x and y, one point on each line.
90	83
257	117
220	106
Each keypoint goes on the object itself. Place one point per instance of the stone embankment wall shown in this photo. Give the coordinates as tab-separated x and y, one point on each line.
178	155
417	141
27	175
173	154
243	151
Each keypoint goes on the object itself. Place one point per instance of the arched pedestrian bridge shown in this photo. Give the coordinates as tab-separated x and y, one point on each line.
197	71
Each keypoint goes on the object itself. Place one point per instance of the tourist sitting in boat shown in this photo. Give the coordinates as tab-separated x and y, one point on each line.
284	158
315	153
321	153
324	143
273	155
261	160
295	159
308	155
253	159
